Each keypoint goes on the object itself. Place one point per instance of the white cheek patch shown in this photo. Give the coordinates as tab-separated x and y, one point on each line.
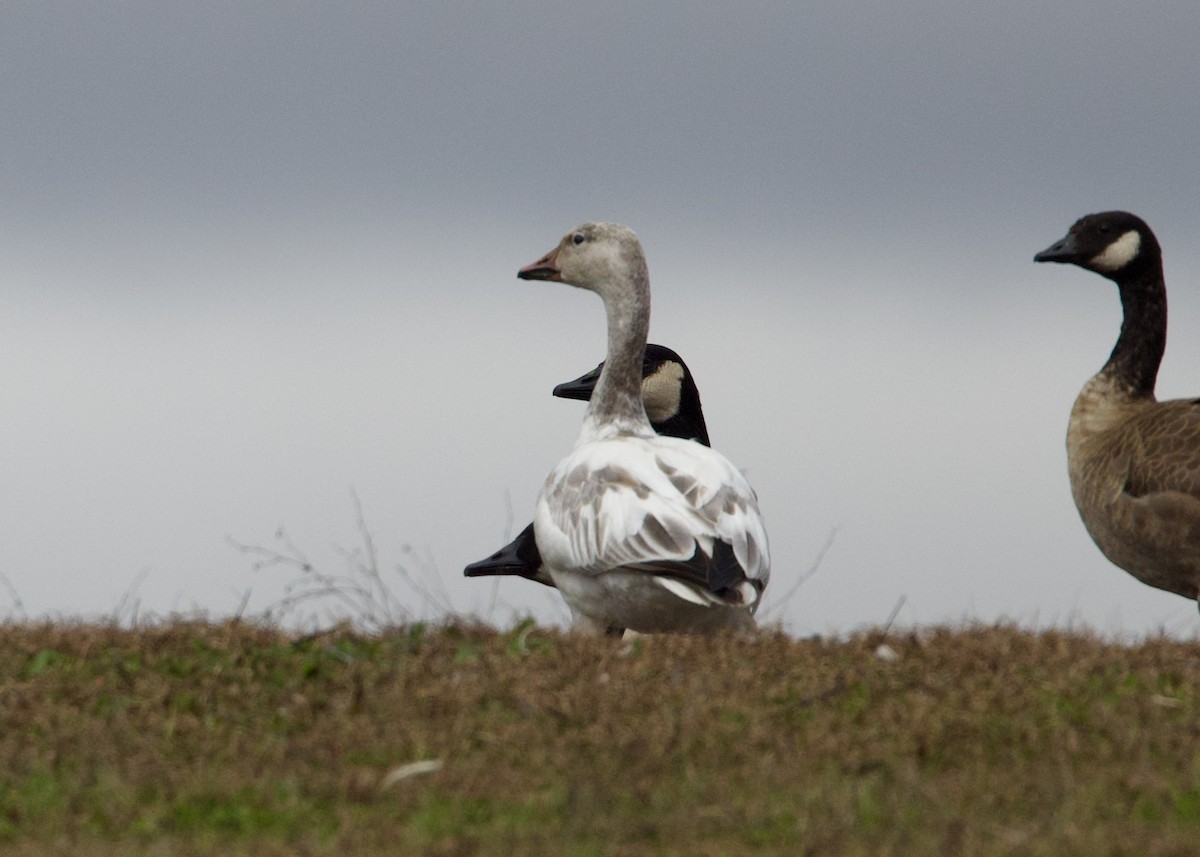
661	392
1119	253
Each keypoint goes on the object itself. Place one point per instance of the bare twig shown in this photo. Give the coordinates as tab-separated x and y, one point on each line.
441	598
18	606
494	596
887	626
241	609
359	593
781	602
129	600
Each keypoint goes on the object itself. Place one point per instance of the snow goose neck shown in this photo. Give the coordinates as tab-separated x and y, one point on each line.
639	531
1133	461
672	403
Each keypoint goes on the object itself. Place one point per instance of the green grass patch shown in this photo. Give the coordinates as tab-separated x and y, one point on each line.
235	739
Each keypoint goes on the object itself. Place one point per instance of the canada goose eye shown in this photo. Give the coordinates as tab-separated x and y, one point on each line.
1104	228
577	238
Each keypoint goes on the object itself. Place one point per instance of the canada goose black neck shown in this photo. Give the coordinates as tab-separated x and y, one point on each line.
1139	350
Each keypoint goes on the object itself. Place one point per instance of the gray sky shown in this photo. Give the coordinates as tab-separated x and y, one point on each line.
258	258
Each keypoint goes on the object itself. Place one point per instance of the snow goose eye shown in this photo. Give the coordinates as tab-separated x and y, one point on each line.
578	238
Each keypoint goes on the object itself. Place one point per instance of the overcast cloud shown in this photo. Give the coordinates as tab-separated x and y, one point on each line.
259	259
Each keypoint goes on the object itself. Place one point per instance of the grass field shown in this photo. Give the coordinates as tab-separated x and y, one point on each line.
201	738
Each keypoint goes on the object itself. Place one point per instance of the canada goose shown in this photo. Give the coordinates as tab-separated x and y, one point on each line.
1134	462
636	530
672	403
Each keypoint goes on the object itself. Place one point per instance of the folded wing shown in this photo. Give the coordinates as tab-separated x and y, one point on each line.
666	506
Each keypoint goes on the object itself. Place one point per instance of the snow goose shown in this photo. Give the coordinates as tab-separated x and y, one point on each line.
672	403
640	531
1134	462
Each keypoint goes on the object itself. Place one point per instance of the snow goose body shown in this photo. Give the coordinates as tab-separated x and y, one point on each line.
654	534
672	402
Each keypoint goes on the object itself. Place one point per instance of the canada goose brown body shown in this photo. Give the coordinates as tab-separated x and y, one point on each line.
1133	461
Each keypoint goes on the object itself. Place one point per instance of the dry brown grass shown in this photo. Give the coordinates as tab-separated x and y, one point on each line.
195	738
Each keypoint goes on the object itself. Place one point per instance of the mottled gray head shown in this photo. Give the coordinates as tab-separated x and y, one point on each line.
596	256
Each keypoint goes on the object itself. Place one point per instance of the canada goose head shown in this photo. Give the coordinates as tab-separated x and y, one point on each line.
520	557
1114	244
669	393
1119	246
600	257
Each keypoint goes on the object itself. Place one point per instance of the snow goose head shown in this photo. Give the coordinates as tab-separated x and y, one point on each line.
607	258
